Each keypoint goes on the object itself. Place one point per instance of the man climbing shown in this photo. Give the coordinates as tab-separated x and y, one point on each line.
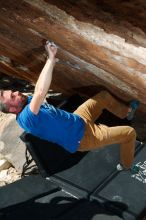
73	131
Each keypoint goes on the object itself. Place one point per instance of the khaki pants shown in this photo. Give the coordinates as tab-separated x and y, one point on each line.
99	135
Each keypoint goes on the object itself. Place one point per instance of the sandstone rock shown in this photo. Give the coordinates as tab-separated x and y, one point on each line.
2	183
4	164
11	147
8	176
1	156
3	174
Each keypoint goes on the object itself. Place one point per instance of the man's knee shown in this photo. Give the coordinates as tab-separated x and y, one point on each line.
131	132
105	94
105	98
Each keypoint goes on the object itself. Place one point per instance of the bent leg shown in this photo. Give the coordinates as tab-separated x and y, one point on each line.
93	107
126	137
100	135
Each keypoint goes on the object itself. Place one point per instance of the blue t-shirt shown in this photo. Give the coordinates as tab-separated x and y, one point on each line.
53	124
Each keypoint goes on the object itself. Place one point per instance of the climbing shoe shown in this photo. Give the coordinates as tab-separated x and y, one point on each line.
133	105
134	169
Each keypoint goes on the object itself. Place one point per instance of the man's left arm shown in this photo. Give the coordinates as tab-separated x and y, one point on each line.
44	81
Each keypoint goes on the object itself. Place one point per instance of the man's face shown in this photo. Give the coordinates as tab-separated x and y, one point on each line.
14	101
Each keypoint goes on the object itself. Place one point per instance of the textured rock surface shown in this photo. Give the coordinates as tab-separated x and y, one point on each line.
102	43
8	176
11	147
4	164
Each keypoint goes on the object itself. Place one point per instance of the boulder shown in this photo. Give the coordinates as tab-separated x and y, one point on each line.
11	147
4	164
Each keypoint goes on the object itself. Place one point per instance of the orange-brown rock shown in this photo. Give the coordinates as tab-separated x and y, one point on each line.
102	43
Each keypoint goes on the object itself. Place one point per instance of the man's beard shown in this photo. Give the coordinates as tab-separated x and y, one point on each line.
23	102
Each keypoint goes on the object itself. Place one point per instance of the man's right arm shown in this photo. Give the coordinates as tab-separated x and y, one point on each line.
44	81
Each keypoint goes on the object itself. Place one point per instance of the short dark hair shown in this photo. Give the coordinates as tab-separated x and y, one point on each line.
3	107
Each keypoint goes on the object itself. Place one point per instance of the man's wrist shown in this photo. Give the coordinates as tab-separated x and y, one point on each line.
51	61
